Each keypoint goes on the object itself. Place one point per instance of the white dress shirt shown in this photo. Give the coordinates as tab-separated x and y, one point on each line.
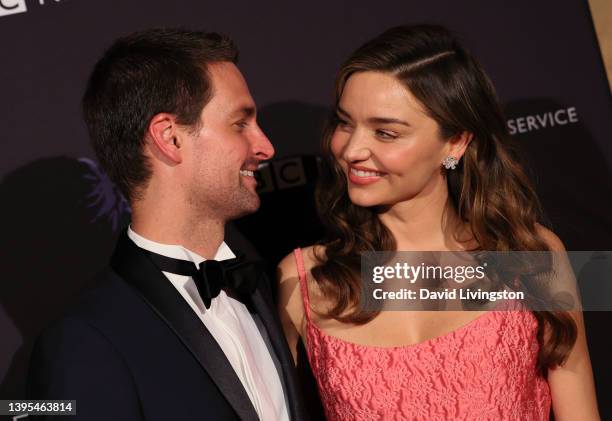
233	327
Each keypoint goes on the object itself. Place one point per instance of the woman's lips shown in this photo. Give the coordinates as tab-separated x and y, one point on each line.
363	177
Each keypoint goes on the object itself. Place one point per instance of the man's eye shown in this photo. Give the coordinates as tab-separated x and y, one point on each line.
241	124
385	135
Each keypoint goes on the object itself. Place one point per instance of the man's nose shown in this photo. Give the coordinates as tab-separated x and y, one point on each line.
262	147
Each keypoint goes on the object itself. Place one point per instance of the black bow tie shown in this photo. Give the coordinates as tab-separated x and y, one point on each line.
238	276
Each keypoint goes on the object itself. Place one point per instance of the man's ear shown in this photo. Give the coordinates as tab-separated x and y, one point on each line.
164	137
459	143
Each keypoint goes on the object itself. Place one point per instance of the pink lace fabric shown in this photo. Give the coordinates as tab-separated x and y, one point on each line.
485	370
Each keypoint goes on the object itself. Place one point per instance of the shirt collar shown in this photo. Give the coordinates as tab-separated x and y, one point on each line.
176	251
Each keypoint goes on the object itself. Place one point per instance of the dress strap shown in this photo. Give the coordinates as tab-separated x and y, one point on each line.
299	260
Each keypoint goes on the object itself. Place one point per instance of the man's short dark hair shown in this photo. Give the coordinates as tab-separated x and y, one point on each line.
143	74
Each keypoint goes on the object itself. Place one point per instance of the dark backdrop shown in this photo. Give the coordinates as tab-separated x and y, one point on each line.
60	215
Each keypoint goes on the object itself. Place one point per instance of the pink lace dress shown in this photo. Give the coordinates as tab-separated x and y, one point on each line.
485	370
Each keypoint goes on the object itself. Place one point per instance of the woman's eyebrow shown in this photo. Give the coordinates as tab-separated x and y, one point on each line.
386	120
374	120
342	112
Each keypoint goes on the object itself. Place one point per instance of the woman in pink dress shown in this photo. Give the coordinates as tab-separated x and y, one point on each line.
418	158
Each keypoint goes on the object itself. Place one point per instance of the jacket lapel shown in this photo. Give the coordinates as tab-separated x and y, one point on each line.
136	269
265	309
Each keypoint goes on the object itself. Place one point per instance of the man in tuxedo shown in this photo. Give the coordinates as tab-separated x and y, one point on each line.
179	327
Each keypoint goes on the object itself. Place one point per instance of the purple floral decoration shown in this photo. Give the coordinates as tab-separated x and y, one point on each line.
104	199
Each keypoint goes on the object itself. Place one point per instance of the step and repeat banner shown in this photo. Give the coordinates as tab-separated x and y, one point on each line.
60	214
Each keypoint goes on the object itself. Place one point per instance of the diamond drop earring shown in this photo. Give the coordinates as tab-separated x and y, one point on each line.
450	162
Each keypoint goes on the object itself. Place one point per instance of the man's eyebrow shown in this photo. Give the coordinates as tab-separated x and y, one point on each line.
244	112
374	120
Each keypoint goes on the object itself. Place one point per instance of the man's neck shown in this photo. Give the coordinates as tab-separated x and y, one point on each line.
201	235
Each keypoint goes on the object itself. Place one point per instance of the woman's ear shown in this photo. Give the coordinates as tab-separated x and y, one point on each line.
459	143
164	137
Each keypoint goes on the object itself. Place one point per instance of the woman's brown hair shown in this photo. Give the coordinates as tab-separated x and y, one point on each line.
489	190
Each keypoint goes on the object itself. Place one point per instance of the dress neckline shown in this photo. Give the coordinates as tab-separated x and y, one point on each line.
430	341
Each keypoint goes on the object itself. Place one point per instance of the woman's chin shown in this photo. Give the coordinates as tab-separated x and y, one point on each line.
364	200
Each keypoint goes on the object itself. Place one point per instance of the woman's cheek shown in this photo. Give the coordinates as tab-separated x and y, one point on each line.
337	145
397	161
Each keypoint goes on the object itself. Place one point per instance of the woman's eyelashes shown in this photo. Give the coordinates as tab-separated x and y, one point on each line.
381	134
342	123
385	134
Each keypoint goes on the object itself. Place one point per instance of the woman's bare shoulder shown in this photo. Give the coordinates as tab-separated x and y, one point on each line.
290	296
287	268
313	256
290	305
550	238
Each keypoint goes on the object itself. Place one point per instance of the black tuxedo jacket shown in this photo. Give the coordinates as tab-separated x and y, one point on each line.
132	349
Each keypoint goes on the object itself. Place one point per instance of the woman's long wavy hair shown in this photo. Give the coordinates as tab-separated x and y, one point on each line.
489	190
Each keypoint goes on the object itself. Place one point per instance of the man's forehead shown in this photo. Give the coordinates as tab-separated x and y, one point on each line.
226	76
230	88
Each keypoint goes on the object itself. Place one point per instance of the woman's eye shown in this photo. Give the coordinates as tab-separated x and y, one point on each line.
343	124
385	135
